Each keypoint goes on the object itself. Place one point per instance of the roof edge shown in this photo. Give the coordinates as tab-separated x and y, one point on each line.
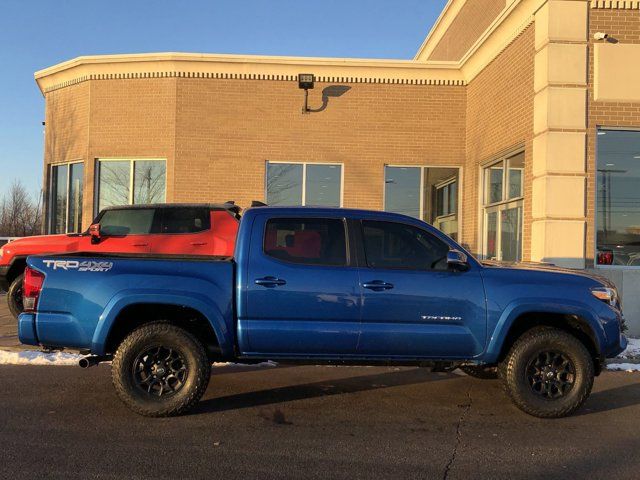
142	65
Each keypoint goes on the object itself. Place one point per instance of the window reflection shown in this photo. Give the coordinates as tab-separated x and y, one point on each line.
402	190
125	182
618	198
428	193
304	184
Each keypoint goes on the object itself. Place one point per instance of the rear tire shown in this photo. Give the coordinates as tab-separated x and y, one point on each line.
548	373
14	296
481	372
160	370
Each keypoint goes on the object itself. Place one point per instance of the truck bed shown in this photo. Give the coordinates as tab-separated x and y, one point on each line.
83	294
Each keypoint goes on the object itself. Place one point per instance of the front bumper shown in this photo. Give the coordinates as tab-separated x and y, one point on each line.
4	271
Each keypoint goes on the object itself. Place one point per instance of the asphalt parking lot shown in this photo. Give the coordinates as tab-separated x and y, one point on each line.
310	422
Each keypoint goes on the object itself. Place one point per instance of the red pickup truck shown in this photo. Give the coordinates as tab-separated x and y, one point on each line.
185	229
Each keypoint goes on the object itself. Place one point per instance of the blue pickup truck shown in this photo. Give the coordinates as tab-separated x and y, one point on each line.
325	285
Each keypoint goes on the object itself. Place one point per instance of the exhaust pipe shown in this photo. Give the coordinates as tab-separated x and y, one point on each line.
92	360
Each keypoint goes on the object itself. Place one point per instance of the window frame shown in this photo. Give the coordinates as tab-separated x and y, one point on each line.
50	196
595	199
426	232
304	178
132	161
349	257
506	203
422	168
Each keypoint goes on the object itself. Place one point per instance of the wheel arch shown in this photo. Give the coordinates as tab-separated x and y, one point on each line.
123	315
18	264
577	321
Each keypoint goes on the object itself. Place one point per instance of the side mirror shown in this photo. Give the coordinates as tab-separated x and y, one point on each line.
94	231
456	260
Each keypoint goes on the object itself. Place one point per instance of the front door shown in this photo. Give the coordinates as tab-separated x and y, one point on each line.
127	230
302	296
413	304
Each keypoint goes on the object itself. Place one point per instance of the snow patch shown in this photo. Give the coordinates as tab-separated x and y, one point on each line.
624	367
33	357
633	349
243	365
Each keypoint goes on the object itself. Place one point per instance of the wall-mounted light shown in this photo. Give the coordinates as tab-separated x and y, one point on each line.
306	82
600	36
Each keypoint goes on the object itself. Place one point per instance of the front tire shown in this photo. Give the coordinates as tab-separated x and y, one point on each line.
14	296
548	373
160	370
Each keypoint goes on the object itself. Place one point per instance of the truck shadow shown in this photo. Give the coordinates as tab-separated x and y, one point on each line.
320	389
611	399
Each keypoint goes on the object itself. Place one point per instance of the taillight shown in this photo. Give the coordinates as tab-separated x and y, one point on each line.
31	288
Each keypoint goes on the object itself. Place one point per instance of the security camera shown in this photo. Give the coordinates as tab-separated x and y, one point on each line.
600	36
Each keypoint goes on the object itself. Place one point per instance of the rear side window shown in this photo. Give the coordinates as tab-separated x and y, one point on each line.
185	220
138	221
309	241
399	246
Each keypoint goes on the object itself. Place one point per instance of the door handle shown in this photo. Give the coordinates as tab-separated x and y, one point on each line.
378	285
198	244
140	244
270	282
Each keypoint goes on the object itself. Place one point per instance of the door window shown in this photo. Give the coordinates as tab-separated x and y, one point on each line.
139	221
306	241
399	246
185	220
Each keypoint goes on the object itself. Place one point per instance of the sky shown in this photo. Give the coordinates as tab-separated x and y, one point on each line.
35	34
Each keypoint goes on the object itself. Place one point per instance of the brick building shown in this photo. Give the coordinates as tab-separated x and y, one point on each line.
515	129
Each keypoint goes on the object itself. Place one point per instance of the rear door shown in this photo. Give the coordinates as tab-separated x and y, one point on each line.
184	231
413	304
302	296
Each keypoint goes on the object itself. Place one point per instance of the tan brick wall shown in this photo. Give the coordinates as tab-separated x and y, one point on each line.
499	119
623	26
228	129
66	129
217	134
474	18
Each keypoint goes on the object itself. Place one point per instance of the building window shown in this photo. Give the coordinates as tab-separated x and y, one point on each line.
427	193
130	182
65	203
503	208
617	198
304	184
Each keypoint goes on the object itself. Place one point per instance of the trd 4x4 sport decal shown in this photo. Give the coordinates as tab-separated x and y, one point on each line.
85	266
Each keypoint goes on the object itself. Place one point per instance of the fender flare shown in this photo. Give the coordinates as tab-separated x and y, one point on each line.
128	298
516	309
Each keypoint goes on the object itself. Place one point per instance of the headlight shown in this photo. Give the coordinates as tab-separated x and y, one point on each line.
606	294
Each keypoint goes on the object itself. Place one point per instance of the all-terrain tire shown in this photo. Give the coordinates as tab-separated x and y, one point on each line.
483	373
14	296
130	355
516	368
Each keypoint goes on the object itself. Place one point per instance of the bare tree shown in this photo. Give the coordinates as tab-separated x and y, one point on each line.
20	213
